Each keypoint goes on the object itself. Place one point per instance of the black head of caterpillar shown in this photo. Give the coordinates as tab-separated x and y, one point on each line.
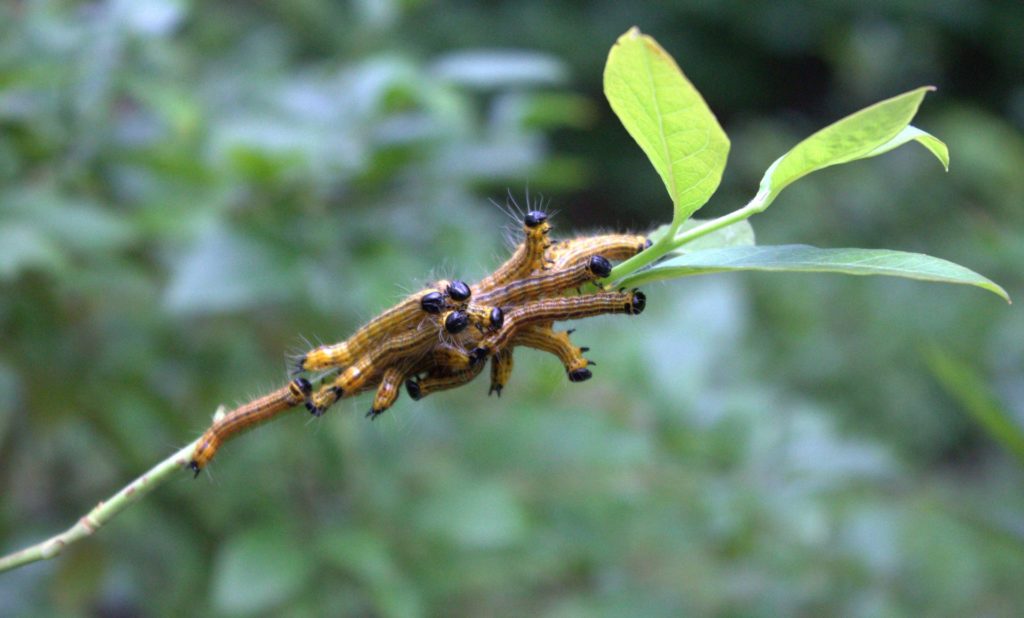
600	266
638	302
484	317
458	291
535	218
434	302
456	322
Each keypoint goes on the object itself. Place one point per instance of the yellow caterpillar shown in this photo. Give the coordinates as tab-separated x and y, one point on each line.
405	315
615	247
528	256
547	310
251	414
548	284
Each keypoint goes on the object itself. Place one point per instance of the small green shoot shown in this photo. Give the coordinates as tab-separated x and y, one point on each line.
673	125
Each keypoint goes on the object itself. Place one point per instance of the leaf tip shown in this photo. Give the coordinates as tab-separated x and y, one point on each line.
998	290
629	35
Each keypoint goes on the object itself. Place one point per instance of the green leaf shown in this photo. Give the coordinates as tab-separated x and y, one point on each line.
870	132
969	389
929	141
668	118
803	258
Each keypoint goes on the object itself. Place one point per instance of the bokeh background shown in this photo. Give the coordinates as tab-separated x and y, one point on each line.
189	191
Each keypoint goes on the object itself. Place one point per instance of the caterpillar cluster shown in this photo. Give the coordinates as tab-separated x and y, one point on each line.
441	337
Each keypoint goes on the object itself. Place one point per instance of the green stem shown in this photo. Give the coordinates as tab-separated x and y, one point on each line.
104	511
670	242
645	257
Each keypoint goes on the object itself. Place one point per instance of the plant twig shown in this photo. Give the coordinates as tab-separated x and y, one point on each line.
104	511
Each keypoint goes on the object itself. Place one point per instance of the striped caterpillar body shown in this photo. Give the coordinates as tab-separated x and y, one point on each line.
528	256
403	316
412	344
251	414
615	247
550	283
436	381
551	309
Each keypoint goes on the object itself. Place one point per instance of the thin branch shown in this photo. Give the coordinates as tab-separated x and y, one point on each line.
104	511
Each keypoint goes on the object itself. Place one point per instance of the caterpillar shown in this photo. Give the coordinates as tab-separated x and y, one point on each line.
445	295
449	357
440	381
517	325
528	256
615	247
388	389
546	310
549	284
545	339
501	370
249	415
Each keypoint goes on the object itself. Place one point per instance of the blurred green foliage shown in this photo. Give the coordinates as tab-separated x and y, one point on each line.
187	189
